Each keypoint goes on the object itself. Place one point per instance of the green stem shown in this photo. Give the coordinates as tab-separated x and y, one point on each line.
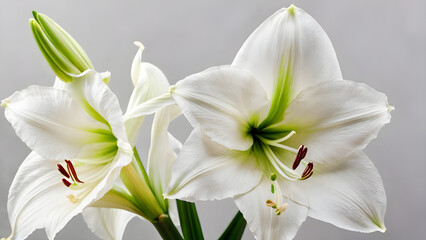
166	228
189	221
141	167
235	229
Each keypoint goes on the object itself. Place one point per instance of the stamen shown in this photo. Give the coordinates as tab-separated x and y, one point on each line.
286	137
278	203
281	208
276	144
307	173
301	153
271	203
63	171
68	184
72	171
281	168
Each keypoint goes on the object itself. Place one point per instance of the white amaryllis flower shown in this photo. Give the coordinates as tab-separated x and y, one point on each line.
102	218
77	134
282	95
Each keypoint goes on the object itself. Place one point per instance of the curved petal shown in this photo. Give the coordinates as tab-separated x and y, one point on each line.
149	82
263	221
289	35
51	123
104	102
206	170
348	194
223	101
136	70
107	223
336	118
39	199
161	152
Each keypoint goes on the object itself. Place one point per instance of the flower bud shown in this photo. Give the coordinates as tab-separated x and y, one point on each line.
64	55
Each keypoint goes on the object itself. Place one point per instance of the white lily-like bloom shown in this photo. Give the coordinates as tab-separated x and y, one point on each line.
149	82
282	95
77	134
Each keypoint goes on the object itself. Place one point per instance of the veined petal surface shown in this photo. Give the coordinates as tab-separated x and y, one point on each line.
336	118
39	199
161	152
51	122
289	34
348	194
222	101
263	221
205	170
104	102
107	223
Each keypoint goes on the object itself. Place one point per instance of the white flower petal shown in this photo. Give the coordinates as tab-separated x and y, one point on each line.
173	212
222	101
263	221
104	102
348	194
149	82
107	223
161	153
289	34
149	107
51	123
39	199
336	118
136	71
206	170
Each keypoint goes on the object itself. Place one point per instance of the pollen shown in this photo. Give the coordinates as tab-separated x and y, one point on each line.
281	208
73	199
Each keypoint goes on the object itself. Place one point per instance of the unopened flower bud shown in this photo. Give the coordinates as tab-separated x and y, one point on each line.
64	55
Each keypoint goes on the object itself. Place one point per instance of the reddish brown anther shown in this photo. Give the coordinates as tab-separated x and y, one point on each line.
63	171
307	173
72	171
301	154
66	183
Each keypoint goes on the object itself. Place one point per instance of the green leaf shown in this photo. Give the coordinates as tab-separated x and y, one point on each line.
190	224
235	229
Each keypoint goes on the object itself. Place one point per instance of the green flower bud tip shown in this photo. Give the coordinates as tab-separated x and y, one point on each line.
64	55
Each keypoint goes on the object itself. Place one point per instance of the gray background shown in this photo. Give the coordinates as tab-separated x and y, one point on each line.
381	43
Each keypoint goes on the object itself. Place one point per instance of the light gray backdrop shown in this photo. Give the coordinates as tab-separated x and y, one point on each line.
381	43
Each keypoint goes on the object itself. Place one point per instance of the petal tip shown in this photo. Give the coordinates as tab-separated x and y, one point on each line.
292	9
390	108
140	45
5	102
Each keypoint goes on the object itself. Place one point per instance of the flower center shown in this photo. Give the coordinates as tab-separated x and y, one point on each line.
267	147
70	175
